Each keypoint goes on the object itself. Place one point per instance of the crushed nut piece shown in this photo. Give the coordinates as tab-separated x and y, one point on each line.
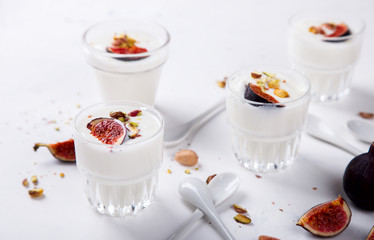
366	115
117	115
210	178
186	157
187	171
281	93
240	218
62	175
134	124
239	209
263	237
34	180
258	176
36	192
25	182
274	83
256	75
169	171
222	84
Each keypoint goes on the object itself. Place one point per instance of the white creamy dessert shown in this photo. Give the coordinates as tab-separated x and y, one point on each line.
327	61
127	76
265	136
120	179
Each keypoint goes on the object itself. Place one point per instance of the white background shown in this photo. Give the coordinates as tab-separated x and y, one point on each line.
44	78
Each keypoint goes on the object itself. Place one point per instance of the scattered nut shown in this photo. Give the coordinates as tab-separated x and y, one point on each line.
187	171
274	83
34	180
366	115
186	157
242	219
117	115
169	171
281	93
222	84
36	192
135	113
210	178
25	182
134	124
239	209
62	175
256	75
263	237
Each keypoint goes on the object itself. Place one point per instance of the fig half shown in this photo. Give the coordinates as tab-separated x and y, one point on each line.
63	151
108	130
327	219
371	234
358	180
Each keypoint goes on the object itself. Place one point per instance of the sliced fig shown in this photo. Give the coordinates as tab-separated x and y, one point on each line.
264	237
108	130
327	219
255	93
371	234
341	30
132	130
63	151
358	180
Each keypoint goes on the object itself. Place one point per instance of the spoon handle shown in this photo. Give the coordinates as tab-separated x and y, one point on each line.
218	224
183	230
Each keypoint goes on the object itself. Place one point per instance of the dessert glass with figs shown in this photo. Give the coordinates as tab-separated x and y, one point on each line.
325	46
119	150
266	108
127	56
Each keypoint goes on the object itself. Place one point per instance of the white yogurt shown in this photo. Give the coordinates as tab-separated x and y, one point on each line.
127	80
328	65
266	137
120	179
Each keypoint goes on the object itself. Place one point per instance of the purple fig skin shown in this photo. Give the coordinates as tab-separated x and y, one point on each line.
371	234
358	180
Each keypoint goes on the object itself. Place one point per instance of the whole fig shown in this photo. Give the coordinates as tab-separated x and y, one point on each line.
358	180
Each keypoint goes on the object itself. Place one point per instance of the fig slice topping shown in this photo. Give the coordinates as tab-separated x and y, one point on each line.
255	93
123	44
63	151
108	130
371	234
327	219
341	30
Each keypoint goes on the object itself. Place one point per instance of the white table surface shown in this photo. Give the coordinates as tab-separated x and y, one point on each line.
44	78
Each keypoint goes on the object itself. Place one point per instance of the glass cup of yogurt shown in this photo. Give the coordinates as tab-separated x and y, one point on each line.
325	46
119	151
127	56
266	109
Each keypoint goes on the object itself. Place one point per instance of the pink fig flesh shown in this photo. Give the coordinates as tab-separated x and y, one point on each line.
327	219
108	130
63	151
371	234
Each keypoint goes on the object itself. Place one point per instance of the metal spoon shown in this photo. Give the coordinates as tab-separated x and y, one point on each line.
319	129
221	187
362	130
176	135
197	193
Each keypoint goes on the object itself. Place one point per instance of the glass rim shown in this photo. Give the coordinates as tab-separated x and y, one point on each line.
271	67
332	39
88	46
117	103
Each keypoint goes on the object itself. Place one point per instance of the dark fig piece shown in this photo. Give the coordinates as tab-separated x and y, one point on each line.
371	234
63	151
255	93
341	30
327	219
358	180
108	130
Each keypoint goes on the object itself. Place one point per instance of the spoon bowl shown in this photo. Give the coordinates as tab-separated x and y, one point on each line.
364	131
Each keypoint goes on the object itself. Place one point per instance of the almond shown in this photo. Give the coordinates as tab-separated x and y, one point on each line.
36	192
186	157
281	93
239	209
242	219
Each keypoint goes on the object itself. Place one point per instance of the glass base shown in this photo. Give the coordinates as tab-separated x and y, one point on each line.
263	155
328	84
117	198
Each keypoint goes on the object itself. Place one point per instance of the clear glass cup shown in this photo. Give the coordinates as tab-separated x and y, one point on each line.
328	62
127	76
265	136
120	179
